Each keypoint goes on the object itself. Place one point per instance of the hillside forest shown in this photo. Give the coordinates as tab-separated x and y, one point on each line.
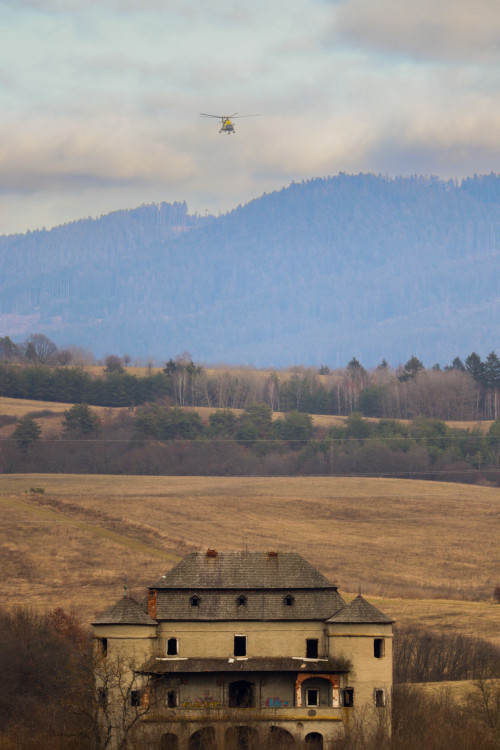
185	419
315	272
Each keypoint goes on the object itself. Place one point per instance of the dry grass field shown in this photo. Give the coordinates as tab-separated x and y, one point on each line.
424	552
50	423
459	691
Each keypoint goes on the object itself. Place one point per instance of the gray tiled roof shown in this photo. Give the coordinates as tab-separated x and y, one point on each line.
308	604
360	611
125	612
262	664
243	570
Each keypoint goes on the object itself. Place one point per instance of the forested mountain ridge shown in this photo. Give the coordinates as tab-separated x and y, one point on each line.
318	272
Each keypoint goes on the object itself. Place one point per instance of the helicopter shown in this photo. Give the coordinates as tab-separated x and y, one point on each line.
226	124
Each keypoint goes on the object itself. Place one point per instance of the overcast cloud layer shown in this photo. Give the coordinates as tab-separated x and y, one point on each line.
100	101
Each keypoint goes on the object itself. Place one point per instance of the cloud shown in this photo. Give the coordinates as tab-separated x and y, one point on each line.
232	11
109	151
456	30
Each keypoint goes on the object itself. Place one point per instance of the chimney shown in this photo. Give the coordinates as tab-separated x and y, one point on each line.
272	554
152	603
211	553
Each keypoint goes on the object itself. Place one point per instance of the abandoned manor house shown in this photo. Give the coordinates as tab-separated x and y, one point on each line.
246	650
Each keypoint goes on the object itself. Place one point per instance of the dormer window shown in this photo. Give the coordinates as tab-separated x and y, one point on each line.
195	600
288	600
242	600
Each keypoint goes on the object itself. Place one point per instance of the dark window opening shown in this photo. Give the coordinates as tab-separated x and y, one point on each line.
241	694
312	697
280	738
102	697
242	738
135	697
169	742
242	600
240	645
311	648
314	741
348	697
172	647
378	648
172	699
103	644
203	739
195	601
288	600
379	698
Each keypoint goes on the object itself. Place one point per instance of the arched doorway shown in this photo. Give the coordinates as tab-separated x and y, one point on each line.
280	739
241	738
241	694
169	742
203	739
314	741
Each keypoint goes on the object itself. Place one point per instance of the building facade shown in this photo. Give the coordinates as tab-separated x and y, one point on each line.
240	649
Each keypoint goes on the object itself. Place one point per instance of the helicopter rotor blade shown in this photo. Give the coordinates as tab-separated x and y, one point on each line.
238	116
217	117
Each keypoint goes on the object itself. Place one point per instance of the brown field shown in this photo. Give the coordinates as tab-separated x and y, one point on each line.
50	423
18	407
424	552
459	691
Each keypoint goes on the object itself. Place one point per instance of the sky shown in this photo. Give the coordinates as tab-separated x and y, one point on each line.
100	99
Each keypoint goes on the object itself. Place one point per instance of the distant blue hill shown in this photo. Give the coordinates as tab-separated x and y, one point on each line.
319	272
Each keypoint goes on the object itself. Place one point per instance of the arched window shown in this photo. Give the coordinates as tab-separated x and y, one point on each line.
288	600
314	741
169	742
203	739
242	600
172	647
280	739
242	738
241	694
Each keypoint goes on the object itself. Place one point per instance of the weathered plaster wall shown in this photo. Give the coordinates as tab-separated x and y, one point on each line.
368	672
216	639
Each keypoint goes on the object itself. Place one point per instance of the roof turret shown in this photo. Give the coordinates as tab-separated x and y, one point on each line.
361	611
125	612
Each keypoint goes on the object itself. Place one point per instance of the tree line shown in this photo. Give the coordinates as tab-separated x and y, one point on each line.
462	391
159	440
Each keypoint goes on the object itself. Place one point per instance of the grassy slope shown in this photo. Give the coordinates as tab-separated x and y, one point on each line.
415	542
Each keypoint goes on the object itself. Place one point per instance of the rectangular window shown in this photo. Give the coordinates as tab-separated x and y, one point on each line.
348	697
172	647
172	701
312	698
378	648
240	645
103	646
379	697
311	648
102	697
135	697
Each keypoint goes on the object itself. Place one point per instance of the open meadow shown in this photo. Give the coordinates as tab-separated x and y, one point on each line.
424	552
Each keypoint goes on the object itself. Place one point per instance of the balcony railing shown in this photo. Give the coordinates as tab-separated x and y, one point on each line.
222	713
